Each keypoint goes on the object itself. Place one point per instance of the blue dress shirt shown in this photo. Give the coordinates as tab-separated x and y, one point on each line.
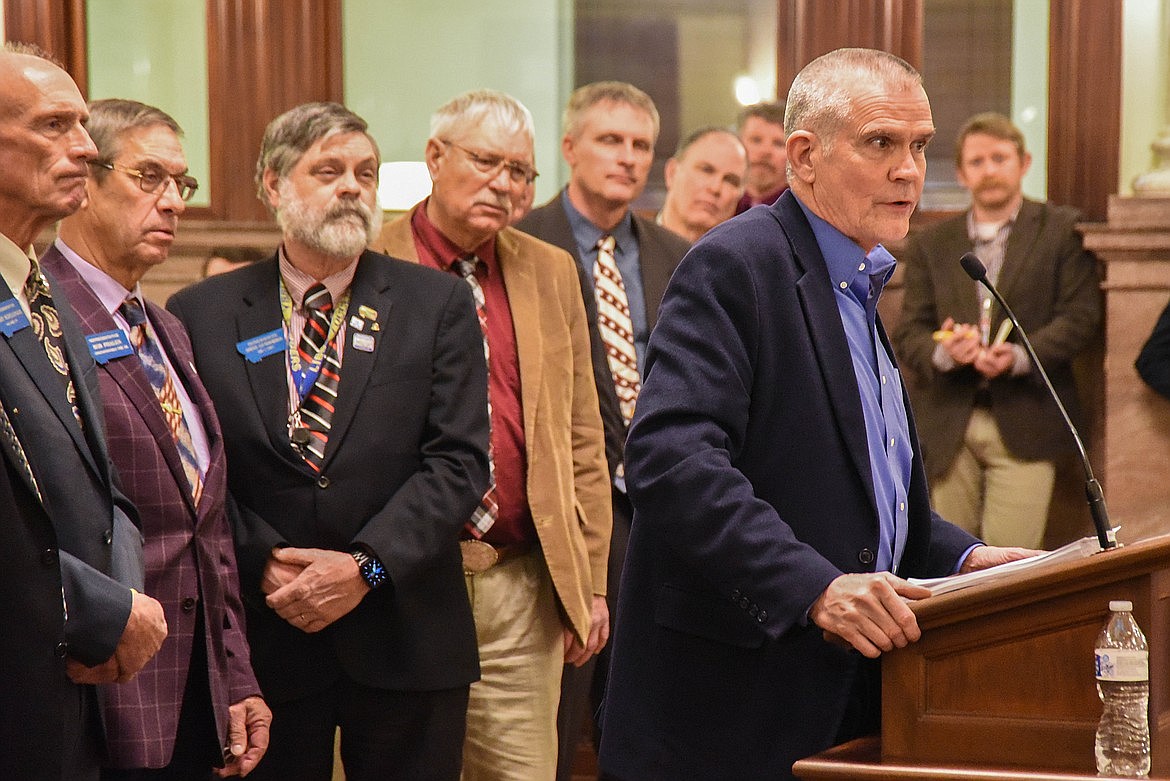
858	280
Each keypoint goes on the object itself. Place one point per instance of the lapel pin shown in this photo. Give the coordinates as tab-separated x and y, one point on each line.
363	342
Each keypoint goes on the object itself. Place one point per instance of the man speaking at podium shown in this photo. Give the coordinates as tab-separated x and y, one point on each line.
778	491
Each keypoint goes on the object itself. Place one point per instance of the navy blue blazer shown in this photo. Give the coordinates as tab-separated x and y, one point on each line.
750	479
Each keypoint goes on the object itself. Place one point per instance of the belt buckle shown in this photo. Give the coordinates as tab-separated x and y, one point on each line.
478	556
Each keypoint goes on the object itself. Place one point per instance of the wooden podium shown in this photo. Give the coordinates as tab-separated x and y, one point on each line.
1003	674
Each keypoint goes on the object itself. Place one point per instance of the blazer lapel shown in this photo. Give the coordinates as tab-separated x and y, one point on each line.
370	290
823	319
655	271
28	350
268	376
126	371
1025	233
520	279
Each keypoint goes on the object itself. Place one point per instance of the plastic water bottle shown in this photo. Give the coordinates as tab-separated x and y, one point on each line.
1123	682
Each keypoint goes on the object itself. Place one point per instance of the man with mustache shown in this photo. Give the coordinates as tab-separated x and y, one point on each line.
198	696
990	432
761	129
535	550
704	181
352	393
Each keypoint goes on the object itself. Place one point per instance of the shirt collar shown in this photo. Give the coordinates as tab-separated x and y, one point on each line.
847	262
109	291
444	251
972	232
587	234
298	282
15	263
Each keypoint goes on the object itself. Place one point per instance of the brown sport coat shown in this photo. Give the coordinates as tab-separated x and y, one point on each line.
562	426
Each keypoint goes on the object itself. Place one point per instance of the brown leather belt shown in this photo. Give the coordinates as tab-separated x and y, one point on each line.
480	556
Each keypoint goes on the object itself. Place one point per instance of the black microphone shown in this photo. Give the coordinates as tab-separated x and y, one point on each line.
1096	498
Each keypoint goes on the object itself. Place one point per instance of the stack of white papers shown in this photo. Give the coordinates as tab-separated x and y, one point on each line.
1078	549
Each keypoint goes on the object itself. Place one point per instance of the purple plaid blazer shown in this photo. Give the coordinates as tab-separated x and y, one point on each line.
190	559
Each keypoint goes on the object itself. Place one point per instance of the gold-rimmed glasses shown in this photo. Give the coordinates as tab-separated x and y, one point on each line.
152	180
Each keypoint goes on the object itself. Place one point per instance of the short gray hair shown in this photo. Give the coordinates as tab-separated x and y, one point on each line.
477	106
821	98
111	117
584	98
289	136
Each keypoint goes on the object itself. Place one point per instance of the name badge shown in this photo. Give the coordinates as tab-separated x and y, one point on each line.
12	317
260	347
363	342
108	345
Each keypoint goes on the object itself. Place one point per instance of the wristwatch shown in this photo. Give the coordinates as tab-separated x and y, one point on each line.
373	573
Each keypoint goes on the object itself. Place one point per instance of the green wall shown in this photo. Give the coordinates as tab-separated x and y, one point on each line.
155	51
406	58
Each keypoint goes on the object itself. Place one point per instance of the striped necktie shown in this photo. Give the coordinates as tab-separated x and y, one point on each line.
616	327
489	509
319	402
47	327
164	390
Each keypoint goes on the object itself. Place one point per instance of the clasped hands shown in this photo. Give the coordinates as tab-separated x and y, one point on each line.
869	612
311	588
964	343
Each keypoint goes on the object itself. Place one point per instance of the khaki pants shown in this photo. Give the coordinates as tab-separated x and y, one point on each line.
512	713
993	495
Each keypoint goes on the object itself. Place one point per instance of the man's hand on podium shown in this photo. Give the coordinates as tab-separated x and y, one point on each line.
868	612
989	556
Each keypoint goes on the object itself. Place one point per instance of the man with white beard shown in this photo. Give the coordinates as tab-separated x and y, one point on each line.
351	388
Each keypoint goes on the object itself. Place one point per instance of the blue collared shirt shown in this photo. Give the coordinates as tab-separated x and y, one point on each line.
858	279
629	263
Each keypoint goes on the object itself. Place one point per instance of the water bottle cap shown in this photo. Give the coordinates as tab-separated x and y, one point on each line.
1121	606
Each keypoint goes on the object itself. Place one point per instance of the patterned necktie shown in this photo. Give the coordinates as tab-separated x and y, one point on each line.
164	390
317	406
47	327
489	509
616	327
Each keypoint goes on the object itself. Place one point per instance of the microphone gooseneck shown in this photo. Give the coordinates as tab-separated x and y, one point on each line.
1093	493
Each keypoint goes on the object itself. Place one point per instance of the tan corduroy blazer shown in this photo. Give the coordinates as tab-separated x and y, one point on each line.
568	481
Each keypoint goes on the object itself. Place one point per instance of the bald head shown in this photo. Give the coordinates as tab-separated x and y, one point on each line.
44	148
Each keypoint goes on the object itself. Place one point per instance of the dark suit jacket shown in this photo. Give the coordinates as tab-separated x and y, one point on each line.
659	252
1050	282
190	560
1153	362
749	472
405	465
66	545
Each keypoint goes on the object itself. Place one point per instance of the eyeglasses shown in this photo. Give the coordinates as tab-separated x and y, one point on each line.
153	180
519	173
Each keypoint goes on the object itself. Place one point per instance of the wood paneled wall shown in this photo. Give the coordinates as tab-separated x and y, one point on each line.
57	26
265	56
1084	103
810	28
268	55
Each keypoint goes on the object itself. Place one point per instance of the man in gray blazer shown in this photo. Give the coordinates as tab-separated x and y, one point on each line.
71	550
990	432
610	129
